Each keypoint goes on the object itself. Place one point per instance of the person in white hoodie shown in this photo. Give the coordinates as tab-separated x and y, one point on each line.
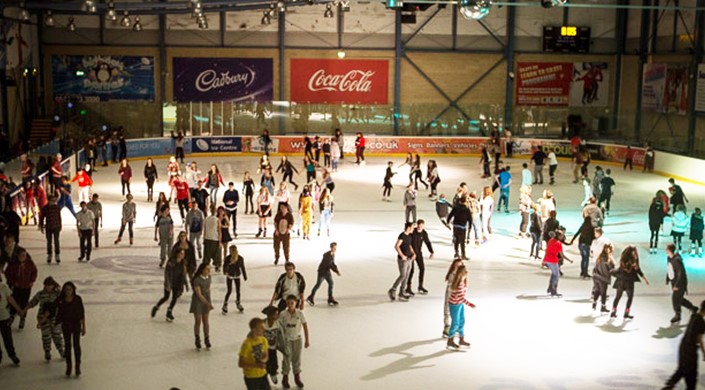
679	225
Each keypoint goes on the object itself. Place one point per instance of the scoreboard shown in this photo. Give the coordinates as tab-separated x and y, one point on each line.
566	39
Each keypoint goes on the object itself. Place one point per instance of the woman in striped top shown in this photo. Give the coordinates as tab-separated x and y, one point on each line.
456	304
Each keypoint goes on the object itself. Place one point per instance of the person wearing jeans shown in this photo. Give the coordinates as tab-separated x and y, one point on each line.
71	315
50	224
164	234
538	159
129	214
325	270
678	279
194	227
405	255
536	231
587	236
554	251
410	204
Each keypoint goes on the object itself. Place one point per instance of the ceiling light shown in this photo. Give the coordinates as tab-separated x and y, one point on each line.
395	4
266	18
49	19
341	54
111	15
138	25
475	9
329	11
281	6
125	21
345	6
197	10
71	26
203	22
24	14
553	3
89	6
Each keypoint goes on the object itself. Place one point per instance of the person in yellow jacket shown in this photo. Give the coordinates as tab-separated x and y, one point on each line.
306	211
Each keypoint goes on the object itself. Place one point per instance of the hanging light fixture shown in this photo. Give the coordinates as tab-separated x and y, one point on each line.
89	6
24	14
281	7
111	15
203	22
71	26
138	24
197	10
125	21
475	9
266	17
49	19
553	3
329	11
345	6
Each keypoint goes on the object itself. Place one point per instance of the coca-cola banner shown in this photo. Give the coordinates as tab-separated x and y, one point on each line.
339	81
223	79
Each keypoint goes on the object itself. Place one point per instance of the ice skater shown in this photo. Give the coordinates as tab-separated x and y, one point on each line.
287	169
306	211
150	177
325	272
175	282
525	203
387	184
656	215
292	321
456	306
552	256
606	191
129	214
233	269
201	304
443	209
486	209
678	278
405	255
626	275
264	211
433	178
696	233
679	225
248	189
419	237
460	218
71	315
125	173
254	356
164	235
325	203
450	277
602	277
536	232
272	332
409	204
586	232
688	352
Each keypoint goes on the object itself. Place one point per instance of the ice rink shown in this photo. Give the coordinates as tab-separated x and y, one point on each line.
519	339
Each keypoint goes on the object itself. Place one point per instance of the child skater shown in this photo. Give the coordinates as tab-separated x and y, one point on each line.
272	332
696	233
587	189
602	277
443	209
233	269
628	273
450	276
387	185
456	306
292	321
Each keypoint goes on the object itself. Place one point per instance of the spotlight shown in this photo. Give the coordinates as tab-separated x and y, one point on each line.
49	19
24	14
475	9
266	18
553	3
197	10
345	6
395	4
329	11
341	54
89	6
111	15
203	22
138	25
71	26
281	6
125	21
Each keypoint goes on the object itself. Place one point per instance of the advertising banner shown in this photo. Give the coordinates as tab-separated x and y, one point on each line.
653	87
675	97
216	144
149	147
543	83
339	81
223	79
590	86
700	89
103	78
255	144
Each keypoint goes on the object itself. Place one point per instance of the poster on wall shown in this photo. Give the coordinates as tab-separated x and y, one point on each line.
590	86
700	89
103	78
653	86
223	79
675	97
339	81
543	83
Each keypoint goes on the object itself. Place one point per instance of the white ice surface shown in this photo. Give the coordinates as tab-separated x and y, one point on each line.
518	341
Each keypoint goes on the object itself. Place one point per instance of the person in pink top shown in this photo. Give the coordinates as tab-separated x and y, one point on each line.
84	185
125	172
456	306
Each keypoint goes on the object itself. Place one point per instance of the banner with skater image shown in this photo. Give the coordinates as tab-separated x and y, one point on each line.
653	86
590	86
675	97
103	78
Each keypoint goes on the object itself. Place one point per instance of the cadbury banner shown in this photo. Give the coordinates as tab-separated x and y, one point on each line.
223	79
543	83
103	78
339	81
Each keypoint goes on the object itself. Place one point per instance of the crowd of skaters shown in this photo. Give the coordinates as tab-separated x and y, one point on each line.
196	196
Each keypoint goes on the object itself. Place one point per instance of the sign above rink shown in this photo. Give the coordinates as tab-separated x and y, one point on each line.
216	144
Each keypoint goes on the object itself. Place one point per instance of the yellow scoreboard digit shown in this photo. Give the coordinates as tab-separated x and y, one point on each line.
569	31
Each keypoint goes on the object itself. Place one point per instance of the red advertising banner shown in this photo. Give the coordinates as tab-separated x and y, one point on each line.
339	81
543	83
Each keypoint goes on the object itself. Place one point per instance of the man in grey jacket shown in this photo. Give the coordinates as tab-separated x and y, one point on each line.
410	204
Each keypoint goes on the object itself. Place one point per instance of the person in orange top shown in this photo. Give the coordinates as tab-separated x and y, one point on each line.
84	185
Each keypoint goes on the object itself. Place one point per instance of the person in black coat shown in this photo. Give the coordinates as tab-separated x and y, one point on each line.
419	237
656	216
287	169
626	276
233	269
71	315
175	281
688	352
325	269
460	217
536	231
587	235
678	279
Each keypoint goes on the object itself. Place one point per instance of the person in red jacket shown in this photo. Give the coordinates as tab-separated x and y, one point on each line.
360	148
84	185
125	172
183	195
21	275
554	252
